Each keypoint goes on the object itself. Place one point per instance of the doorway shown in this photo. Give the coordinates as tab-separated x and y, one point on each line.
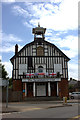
30	89
53	88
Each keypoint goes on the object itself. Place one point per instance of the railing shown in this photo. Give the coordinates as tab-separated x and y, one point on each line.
41	75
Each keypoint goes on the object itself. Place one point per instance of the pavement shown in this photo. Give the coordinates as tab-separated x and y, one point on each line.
34	105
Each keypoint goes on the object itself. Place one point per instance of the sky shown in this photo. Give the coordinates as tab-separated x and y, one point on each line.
59	17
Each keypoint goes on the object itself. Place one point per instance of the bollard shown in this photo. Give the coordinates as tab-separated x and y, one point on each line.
64	100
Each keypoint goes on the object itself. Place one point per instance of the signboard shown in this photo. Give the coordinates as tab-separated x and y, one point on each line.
58	68
22	68
4	82
41	80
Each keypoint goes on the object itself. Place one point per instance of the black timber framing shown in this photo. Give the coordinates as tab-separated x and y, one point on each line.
57	59
47	60
40	56
25	55
35	43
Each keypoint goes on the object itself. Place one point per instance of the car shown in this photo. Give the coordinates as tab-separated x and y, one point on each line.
75	95
70	94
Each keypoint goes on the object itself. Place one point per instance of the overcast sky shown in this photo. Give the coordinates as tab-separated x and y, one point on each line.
60	17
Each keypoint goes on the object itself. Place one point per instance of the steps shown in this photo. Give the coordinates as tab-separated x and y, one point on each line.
42	99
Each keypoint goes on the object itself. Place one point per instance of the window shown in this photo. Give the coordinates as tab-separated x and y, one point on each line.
22	68
29	61
58	68
40	69
40	51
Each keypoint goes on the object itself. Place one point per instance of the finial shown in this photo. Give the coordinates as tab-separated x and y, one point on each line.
38	24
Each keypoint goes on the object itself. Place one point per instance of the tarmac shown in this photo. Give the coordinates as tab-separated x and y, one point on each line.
34	105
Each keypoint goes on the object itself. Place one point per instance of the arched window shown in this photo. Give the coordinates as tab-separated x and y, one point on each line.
40	51
40	69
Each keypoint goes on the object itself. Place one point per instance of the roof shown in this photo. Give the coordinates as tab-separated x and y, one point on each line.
44	42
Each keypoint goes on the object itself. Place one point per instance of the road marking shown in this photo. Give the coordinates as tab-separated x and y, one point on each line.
30	109
6	113
74	118
24	110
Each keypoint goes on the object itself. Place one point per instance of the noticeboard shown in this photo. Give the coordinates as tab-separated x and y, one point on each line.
58	68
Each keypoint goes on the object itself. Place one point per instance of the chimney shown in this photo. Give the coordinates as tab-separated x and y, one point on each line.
16	49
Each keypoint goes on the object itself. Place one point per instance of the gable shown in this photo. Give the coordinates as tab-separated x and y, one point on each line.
33	48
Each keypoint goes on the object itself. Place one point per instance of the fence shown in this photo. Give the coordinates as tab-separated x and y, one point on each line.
13	96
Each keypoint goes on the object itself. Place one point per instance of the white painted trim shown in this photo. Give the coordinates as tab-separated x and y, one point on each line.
49	89
25	89
41	80
57	89
34	89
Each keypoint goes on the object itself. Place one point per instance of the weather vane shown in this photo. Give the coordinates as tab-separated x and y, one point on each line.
38	24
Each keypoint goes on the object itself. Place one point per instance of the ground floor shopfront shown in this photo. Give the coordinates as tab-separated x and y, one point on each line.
42	87
36	89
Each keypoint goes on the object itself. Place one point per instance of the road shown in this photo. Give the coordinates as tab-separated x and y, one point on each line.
58	112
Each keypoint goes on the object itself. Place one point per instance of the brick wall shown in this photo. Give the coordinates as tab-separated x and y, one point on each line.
17	85
24	90
63	88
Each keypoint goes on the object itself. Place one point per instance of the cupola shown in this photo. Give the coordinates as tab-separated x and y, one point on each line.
39	32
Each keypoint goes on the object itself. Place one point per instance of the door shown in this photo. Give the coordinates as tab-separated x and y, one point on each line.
53	88
30	89
41	90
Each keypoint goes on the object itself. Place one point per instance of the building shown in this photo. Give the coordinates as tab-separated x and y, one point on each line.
74	85
40	68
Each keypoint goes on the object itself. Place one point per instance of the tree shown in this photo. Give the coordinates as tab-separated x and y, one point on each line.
71	88
10	82
3	72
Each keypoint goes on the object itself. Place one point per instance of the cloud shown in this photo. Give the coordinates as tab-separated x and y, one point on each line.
8	1
48	33
8	68
27	24
0	57
68	44
8	42
10	38
71	42
57	18
9	48
73	70
20	11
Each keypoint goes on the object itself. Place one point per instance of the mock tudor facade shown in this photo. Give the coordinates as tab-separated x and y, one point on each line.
40	68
